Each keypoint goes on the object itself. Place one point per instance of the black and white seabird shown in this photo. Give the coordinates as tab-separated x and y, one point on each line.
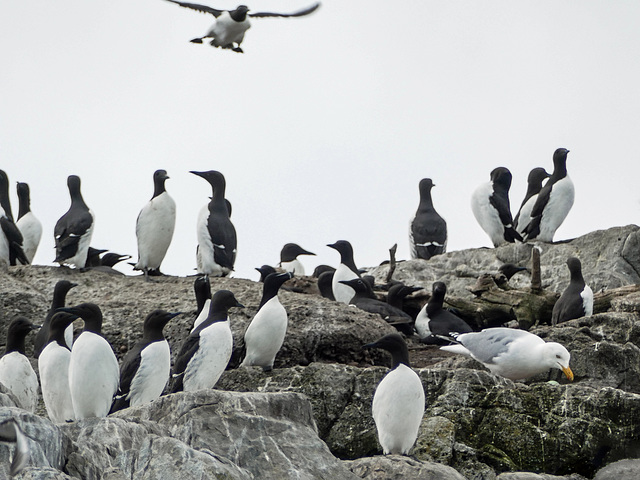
93	257
512	353
146	368
53	367
553	203
11	240
10	431
576	300
217	242
154	227
205	354
490	206
74	229
434	323
93	368
399	400
534	185
265	271
202	290
289	258
265	334
59	298
428	230
29	226
347	270
16	372
362	299
230	26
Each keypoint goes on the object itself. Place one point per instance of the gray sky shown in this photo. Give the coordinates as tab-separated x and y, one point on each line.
325	125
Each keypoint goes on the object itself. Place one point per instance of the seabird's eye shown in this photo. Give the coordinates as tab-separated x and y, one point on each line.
558	357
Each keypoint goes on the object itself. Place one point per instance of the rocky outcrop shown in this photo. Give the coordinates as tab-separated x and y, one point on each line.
311	416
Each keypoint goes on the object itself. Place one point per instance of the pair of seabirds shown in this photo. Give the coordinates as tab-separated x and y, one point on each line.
543	209
12	237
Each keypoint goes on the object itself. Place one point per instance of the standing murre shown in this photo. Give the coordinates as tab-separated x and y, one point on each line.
576	300
154	227
30	227
427	230
490	206
11	240
289	258
347	270
205	353
534	185
265	334
16	372
93	368
60	292
74	229
217	241
553	203
146	368
399	400
53	367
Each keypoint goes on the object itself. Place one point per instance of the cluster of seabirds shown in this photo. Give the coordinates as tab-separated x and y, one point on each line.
71	391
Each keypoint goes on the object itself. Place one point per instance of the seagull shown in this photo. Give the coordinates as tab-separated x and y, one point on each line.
230	26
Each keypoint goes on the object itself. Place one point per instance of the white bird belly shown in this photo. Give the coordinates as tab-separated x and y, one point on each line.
80	258
398	408
154	231
152	375
557	209
343	293
204	313
53	365
226	30
31	230
294	266
18	376
486	215
587	300
265	335
422	323
205	259
93	376
211	359
525	214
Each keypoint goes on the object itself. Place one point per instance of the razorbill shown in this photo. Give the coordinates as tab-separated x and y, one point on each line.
202	289
154	227
265	334
29	226
59	298
74	229
434	323
399	401
289	258
11	241
490	206
217	240
512	353
427	230
93	368
16	372
205	353
553	203
265	271
146	368
534	185
347	270
230	26
325	284
10	431
53	367
576	300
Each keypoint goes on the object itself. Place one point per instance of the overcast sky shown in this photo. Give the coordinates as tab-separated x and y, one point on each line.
325	125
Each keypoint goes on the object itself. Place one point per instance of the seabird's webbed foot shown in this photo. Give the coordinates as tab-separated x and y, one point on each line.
196	40
238	49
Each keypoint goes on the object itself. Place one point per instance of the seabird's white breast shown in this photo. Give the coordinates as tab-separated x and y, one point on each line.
53	366
343	293
486	215
211	359
16	373
31	230
557	208
154	230
265	335
152	375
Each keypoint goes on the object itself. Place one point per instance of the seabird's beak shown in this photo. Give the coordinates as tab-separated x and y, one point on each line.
567	371
239	305
35	327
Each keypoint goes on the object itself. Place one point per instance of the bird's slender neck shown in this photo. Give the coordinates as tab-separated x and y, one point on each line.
158	188
426	203
16	344
400	356
24	204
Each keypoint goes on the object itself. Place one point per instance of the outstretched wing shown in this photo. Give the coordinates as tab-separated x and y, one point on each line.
200	8
299	13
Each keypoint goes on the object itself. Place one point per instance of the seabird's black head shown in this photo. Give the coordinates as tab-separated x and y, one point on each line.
291	251
575	267
93	257
272	284
324	284
159	177
63	286
215	178
240	13
501	177
560	155
155	322
221	302
320	269
536	177
202	289
112	259
24	199
343	247
400	290
426	184
358	285
18	329
59	322
73	183
439	290
90	314
396	346
265	271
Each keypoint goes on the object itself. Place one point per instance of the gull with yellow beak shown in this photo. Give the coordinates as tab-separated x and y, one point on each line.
512	353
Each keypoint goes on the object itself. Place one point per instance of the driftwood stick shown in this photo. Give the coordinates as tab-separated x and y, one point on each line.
392	261
536	280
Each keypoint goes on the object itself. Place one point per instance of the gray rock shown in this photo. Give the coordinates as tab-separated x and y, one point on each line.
620	470
395	467
536	476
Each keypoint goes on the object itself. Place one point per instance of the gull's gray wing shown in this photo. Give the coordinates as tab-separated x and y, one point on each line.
490	343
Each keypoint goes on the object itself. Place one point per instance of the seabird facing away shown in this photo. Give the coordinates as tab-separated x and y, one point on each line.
490	206
230	25
577	299
399	400
512	353
428	230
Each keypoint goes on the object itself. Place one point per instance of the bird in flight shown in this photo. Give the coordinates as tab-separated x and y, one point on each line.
230	25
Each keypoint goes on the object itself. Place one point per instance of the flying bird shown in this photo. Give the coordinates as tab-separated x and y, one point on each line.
230	25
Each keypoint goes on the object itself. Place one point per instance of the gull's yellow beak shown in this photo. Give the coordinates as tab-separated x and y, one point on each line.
567	371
